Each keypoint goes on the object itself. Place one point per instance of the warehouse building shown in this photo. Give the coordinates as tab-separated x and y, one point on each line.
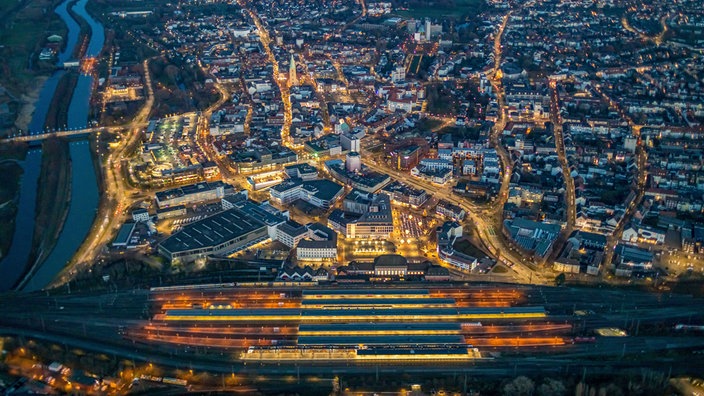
223	233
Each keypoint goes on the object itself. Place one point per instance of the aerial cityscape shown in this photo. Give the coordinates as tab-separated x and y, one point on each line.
352	197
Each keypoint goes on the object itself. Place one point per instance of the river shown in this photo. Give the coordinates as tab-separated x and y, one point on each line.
12	266
84	188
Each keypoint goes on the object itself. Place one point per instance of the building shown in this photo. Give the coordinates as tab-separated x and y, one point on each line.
352	140
290	233
364	180
449	233
194	193
365	216
629	260
583	253
532	236
353	162
321	244
304	274
376	222
301	171
407	157
223	233
264	212
171	211
391	266
405	195
124	235
437	175
450	210
293	78
263	159
319	193
140	215
436	164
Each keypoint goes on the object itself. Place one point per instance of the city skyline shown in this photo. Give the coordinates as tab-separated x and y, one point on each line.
497	189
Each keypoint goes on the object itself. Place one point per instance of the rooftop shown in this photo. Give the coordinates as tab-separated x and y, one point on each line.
212	231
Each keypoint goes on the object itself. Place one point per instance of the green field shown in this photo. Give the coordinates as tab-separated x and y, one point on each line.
455	9
22	34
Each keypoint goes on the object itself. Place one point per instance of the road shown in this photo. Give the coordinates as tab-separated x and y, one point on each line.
68	133
117	196
283	84
570	200
640	178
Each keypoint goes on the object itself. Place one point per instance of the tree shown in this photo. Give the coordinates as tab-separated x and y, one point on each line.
521	386
560	279
552	387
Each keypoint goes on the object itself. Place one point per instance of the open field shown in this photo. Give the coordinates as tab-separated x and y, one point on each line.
455	9
24	33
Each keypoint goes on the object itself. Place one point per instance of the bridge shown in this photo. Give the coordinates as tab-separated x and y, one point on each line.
66	133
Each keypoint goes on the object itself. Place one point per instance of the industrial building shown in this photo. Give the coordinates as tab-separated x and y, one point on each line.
222	233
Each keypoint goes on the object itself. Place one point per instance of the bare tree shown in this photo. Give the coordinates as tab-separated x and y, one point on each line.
521	386
552	387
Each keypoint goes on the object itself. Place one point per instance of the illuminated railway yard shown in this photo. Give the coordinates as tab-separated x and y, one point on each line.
360	325
268	329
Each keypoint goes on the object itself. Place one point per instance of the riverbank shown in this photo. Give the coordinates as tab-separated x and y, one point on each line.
23	33
57	115
53	199
29	103
10	176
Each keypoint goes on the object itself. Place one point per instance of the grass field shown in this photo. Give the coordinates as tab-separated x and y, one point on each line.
466	247
458	9
53	198
22	34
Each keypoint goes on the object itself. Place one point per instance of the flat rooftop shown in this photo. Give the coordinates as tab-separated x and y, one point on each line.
391	326
365	292
383	340
379	301
212	231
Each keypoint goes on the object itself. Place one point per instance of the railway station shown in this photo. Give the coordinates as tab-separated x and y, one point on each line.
350	324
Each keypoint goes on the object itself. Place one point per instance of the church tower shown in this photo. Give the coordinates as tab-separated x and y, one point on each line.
292	77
